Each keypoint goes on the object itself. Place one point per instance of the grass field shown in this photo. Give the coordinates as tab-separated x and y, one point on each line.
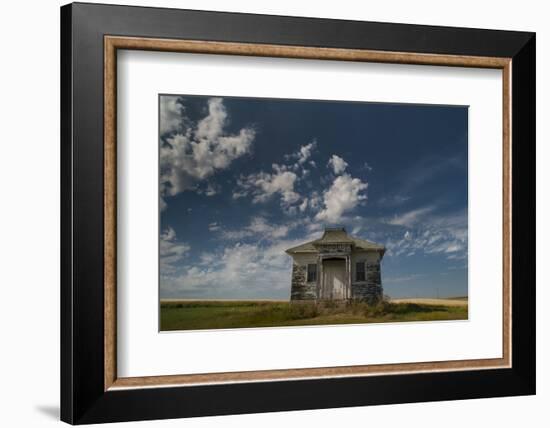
198	315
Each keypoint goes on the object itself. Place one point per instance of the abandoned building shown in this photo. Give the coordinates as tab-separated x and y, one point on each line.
336	267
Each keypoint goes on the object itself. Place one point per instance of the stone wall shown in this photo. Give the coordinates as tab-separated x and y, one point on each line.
371	289
302	290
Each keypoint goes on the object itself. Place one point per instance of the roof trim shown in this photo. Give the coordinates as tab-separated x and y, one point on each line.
336	235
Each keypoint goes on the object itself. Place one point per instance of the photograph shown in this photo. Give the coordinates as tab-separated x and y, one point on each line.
291	212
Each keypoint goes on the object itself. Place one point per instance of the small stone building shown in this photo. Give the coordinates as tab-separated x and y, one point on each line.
336	267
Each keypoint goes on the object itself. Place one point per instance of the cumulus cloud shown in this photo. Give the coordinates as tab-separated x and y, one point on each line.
343	195
337	164
315	200
172	251
303	154
264	185
171	114
198	150
282	181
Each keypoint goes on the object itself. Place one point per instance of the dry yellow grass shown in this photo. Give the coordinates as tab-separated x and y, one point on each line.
433	301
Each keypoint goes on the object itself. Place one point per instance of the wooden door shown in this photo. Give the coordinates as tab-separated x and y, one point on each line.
334	280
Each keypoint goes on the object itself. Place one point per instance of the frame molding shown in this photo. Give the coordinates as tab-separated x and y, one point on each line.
90	390
113	43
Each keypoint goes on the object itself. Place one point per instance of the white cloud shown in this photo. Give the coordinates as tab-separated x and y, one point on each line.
200	150
303	154
315	200
445	235
411	218
390	201
337	164
260	225
214	227
172	251
260	229
404	278
171	114
262	186
239	270
343	195
210	189
367	166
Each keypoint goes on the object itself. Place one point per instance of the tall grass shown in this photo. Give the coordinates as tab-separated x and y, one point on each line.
239	314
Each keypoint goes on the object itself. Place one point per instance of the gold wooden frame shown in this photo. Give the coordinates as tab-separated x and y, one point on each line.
113	43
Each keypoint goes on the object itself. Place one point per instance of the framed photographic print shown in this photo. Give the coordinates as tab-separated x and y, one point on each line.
265	213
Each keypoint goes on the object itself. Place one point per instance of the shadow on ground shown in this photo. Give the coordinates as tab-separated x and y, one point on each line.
50	411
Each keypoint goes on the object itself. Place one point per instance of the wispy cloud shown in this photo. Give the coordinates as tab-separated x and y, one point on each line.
214	226
410	218
426	170
445	235
172	251
259	229
243	270
391	201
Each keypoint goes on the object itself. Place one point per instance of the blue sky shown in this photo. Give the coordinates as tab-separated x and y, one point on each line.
243	179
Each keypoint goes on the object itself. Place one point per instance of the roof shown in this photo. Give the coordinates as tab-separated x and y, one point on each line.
336	236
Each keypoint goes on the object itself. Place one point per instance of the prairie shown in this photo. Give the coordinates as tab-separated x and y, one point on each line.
219	314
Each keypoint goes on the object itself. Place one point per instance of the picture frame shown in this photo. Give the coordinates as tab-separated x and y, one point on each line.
91	390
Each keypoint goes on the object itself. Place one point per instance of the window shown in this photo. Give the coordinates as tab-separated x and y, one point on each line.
311	273
360	271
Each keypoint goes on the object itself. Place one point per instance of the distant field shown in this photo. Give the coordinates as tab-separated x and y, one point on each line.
210	314
451	301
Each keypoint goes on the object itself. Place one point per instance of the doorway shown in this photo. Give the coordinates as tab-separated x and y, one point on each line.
333	286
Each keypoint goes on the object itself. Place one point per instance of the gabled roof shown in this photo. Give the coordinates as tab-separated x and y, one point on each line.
336	236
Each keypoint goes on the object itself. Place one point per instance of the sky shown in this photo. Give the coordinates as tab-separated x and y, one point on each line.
243	179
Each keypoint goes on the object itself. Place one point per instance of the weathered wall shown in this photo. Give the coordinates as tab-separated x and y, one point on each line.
301	289
371	257
304	259
370	289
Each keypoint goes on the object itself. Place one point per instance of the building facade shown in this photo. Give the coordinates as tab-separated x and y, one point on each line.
336	267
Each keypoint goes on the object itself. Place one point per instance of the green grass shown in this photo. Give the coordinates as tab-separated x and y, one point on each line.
198	315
